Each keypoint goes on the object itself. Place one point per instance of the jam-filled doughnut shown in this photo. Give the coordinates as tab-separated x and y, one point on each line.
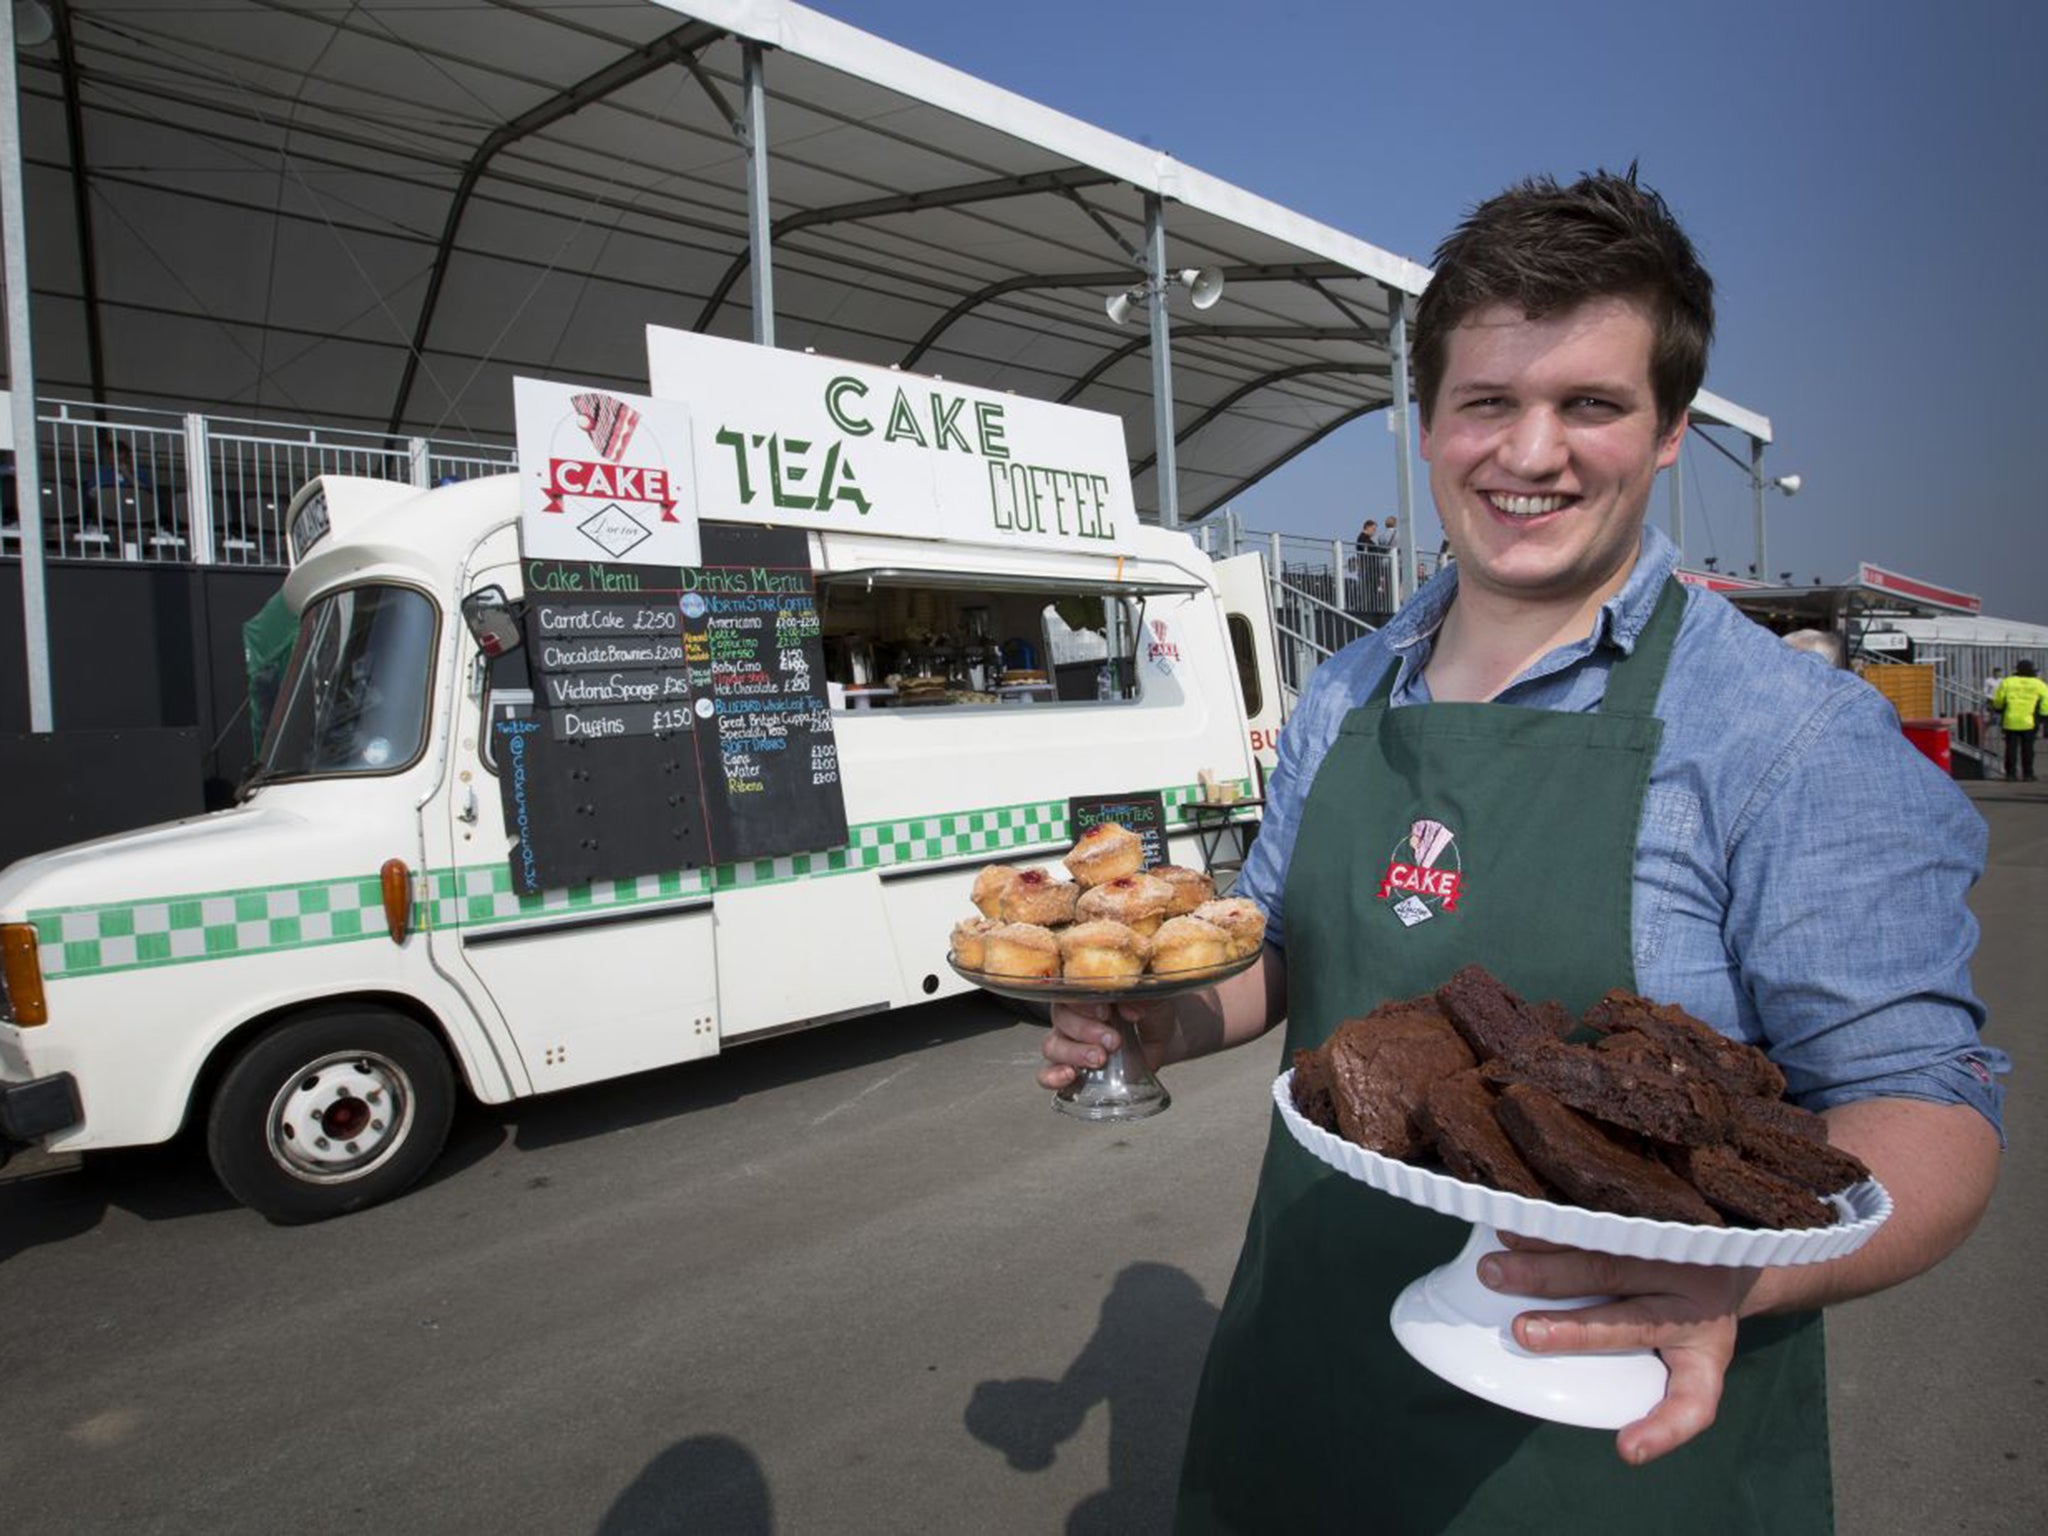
1022	950
1102	953
1139	902
989	886
1238	917
1186	944
970	942
1105	852
1190	887
1035	897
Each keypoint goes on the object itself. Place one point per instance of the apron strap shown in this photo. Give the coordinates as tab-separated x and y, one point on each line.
1634	681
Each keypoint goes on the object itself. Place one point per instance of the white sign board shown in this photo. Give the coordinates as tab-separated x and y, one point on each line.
814	442
603	476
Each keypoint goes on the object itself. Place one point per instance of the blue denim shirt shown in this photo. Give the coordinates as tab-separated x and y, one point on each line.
1800	870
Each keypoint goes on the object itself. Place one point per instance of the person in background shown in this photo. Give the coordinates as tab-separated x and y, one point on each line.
2020	701
1368	536
1644	789
1391	538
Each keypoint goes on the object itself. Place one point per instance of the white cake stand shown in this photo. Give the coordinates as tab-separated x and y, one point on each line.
1462	1331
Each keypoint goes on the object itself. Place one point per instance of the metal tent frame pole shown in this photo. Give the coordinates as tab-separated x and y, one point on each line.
1397	423
1167	472
1677	473
21	378
760	232
1756	486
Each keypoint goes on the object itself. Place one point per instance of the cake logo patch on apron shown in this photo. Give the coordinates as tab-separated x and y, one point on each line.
1422	877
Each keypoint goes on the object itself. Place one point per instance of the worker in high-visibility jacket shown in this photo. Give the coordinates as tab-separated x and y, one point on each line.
2021	699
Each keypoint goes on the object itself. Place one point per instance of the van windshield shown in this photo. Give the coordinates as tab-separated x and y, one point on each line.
355	699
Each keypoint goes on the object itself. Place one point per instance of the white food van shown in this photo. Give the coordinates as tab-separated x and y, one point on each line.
315	974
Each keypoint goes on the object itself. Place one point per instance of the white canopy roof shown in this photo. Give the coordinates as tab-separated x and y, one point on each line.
376	213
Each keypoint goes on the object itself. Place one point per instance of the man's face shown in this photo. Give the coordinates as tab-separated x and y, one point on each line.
1543	446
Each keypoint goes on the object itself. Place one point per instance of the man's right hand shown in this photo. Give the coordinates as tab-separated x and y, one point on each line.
1167	1030
1083	1035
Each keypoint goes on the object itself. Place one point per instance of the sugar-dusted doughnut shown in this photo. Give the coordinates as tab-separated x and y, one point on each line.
1188	944
1035	897
989	886
970	942
1102	953
1022	950
1105	852
1190	887
1238	917
1137	901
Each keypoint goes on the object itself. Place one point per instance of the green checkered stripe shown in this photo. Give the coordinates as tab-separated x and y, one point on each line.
86	941
81	941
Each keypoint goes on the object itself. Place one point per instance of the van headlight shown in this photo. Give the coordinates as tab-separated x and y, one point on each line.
21	976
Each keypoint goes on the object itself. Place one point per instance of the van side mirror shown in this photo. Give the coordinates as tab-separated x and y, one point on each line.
493	618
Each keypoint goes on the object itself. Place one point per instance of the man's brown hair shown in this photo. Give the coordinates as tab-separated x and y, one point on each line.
1548	249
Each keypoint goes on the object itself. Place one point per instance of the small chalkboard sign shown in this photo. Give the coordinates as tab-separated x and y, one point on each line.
1142	813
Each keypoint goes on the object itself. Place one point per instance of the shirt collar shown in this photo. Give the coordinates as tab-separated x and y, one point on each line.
1621	620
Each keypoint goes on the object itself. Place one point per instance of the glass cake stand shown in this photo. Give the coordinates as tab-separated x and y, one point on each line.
1461	1330
1122	1088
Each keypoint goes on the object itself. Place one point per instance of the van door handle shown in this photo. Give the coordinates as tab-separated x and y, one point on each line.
468	811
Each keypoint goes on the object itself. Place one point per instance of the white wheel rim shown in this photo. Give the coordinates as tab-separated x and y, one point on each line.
339	1117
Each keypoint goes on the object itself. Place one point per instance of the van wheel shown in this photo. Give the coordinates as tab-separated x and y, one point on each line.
330	1113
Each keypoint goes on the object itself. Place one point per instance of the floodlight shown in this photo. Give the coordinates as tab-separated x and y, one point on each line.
32	24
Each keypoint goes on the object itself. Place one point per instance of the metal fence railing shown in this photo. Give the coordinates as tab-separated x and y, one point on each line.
121	483
1325	592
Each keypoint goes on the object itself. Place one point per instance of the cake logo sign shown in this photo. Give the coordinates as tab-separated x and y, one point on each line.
1417	880
609	423
1161	650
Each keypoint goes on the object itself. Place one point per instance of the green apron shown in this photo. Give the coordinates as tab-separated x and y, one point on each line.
1433	836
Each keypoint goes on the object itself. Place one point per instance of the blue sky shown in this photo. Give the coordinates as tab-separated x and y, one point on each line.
1865	181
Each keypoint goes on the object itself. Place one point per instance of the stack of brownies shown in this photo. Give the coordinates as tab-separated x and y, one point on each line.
1656	1114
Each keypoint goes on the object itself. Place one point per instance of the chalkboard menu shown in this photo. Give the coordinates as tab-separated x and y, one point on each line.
1144	814
676	718
770	763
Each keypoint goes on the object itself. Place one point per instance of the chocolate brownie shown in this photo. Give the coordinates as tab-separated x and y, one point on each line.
1311	1089
1782	1116
1492	1019
1701	1048
1812	1165
1749	1194
1378	1070
1608	1086
1589	1167
1457	1115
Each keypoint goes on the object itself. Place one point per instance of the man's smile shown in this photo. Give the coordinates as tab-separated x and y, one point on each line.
1526	506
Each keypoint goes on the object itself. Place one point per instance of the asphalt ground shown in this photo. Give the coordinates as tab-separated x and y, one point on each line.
856	1280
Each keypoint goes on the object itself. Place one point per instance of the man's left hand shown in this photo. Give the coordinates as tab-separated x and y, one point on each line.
1686	1312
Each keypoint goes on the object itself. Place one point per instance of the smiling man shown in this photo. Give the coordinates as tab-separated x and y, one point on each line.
1644	790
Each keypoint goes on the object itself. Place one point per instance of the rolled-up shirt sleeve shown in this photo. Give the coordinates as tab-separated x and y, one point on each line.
1848	875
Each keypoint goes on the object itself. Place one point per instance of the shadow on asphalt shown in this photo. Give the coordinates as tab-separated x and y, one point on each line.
46	1200
1143	1362
704	1483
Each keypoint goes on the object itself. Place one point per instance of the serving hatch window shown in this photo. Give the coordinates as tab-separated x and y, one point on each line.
897	640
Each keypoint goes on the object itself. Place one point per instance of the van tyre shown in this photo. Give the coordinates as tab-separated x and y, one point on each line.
330	1113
